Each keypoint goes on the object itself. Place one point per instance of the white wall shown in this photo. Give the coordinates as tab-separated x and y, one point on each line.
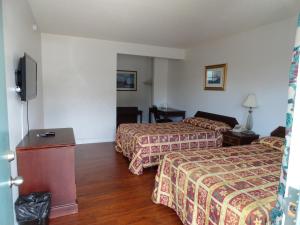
79	77
258	62
19	38
142	98
160	82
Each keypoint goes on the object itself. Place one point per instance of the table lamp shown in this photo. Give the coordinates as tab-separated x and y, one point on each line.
250	103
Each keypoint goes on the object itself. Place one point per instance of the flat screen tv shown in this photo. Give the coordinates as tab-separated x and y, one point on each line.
26	78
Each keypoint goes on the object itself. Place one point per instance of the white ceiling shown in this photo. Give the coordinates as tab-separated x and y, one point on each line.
172	23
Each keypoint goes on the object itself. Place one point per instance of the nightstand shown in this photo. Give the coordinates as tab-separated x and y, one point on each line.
233	138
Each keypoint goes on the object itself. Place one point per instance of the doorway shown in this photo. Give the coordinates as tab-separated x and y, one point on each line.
139	91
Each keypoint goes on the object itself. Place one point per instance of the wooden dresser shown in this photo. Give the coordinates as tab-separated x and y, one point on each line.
48	164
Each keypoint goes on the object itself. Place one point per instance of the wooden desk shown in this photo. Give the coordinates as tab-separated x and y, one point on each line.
167	112
47	164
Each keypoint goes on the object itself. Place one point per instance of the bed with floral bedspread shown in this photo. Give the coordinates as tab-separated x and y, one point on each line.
233	185
146	144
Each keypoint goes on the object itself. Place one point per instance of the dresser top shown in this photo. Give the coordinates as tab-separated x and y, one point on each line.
63	137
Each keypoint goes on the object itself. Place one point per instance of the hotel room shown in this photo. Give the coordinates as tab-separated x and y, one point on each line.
149	112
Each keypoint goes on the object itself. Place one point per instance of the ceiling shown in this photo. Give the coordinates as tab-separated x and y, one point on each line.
171	23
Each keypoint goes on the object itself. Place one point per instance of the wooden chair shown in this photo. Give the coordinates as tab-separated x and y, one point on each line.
157	117
127	115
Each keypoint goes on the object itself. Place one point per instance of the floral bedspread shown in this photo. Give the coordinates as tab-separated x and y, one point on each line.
146	144
234	185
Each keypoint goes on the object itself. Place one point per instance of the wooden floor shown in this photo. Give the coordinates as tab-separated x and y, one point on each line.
108	193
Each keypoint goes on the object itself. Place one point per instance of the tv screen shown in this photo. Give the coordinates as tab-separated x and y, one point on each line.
26	78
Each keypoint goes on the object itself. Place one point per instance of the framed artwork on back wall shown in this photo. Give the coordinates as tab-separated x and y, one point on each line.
126	80
215	77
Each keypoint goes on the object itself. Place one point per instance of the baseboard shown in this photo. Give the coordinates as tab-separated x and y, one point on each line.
63	210
93	140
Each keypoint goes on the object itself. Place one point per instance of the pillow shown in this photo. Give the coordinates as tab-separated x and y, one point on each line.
272	142
208	124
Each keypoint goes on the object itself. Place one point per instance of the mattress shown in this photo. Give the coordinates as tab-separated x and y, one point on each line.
233	185
146	144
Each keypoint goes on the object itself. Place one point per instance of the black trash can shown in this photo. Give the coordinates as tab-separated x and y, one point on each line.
33	209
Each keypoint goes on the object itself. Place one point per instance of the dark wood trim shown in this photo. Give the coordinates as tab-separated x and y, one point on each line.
279	132
231	121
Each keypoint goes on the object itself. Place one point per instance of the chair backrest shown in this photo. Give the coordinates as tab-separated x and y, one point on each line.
155	113
279	132
127	115
127	110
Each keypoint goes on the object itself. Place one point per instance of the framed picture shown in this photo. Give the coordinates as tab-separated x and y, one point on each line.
126	80
215	77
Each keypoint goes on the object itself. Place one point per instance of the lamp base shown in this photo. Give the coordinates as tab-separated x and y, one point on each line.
249	123
248	132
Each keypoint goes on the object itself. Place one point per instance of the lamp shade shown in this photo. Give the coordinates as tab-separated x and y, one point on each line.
250	101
